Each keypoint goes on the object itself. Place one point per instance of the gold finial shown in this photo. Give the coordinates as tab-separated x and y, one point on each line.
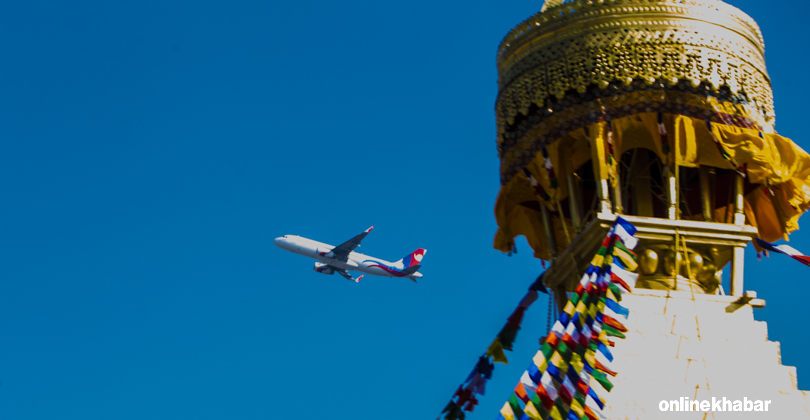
551	3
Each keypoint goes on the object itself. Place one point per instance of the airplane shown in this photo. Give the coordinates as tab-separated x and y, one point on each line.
339	259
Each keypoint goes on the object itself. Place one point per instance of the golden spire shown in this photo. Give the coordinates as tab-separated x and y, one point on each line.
659	110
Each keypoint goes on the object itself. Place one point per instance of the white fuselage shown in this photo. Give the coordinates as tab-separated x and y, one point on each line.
355	262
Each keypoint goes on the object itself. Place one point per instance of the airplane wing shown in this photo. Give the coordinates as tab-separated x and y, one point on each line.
343	250
346	274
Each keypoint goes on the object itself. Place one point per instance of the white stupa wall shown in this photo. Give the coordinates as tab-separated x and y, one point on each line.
682	344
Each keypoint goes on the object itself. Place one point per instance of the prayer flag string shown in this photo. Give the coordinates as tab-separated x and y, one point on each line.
572	366
783	249
465	399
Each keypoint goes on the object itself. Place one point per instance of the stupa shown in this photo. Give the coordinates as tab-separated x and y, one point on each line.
660	111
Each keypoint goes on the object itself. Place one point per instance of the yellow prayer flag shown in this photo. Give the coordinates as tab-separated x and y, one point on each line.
577	408
597	261
576	363
506	411
557	360
581	307
496	351
555	413
625	258
603	337
540	360
590	357
569	308
592	311
532	412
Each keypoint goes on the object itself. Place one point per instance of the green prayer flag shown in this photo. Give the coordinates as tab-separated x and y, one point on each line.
507	337
612	331
616	291
547	350
537	401
580	397
580	350
541	408
564	351
562	407
602	379
515	404
620	245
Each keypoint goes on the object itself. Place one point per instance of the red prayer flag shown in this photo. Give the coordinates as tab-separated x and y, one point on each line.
590	414
616	279
614	323
514	320
566	397
602	368
544	398
583	387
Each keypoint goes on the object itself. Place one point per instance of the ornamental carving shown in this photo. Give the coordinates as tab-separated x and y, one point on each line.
574	45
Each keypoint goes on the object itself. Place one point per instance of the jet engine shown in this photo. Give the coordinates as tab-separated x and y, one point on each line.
324	268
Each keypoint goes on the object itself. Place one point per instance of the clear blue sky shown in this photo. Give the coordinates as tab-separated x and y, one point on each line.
151	151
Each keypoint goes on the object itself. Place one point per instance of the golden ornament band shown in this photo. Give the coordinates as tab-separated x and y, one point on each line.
568	48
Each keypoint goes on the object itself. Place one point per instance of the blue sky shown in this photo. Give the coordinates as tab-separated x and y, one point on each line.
151	151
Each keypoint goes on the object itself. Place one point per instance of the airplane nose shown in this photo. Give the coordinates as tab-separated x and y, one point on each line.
278	241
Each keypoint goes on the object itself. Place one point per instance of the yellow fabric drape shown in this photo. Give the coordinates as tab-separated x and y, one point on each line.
566	155
779	165
520	220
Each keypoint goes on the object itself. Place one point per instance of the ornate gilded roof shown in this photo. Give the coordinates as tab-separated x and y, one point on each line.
571	45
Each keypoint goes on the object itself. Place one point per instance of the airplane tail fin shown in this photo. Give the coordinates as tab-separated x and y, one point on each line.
413	259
